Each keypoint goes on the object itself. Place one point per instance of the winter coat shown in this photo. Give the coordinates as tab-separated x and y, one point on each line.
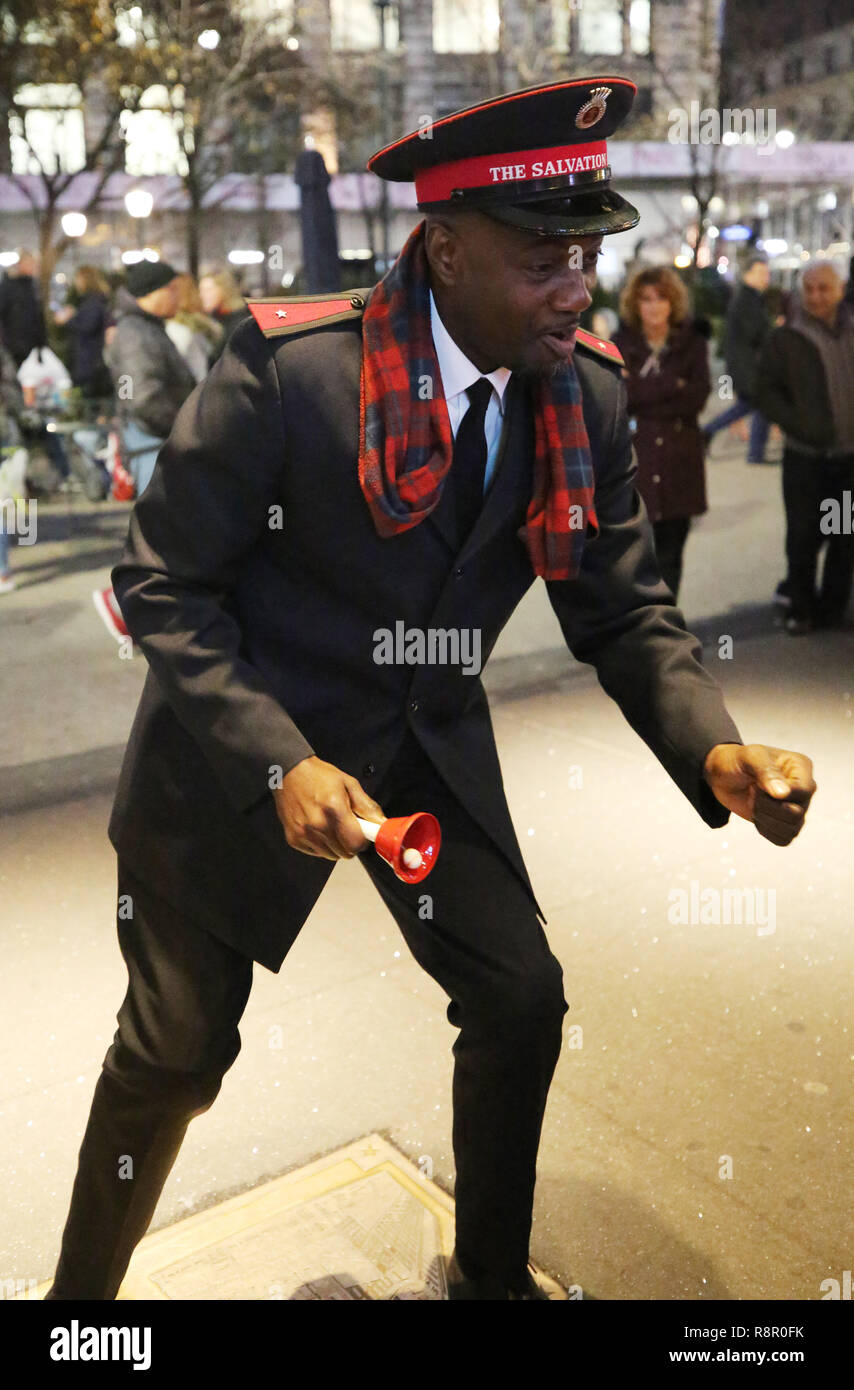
22	325
261	639
86	330
748	324
151	378
665	404
792	389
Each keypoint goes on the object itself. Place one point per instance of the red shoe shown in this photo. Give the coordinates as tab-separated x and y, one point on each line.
105	602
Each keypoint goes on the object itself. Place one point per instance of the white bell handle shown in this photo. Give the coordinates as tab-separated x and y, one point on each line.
411	857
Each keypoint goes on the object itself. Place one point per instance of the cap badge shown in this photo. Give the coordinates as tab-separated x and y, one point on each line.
594	109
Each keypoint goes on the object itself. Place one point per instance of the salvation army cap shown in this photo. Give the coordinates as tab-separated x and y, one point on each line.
535	158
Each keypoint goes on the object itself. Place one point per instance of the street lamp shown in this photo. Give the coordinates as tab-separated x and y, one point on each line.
383	6
139	203
74	224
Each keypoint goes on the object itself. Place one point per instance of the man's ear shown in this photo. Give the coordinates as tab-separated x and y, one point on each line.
444	250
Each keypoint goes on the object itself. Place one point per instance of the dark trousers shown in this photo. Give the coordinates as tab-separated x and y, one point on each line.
178	1035
670	537
808	482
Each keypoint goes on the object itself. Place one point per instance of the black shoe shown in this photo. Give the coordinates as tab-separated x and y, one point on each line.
783	595
796	627
490	1286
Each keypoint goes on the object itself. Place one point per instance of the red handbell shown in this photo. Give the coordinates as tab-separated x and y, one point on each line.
397	834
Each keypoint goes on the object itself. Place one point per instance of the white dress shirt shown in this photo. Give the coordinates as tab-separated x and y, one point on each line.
458	373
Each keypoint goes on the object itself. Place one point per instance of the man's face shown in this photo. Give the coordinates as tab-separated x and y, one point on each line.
509	297
760	276
821	292
161	302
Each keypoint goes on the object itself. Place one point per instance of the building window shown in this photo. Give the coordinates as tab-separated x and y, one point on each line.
151	136
639	26
602	29
560	25
466	26
49	134
356	25
601	26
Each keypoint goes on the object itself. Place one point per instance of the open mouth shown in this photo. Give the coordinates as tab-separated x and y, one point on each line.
562	341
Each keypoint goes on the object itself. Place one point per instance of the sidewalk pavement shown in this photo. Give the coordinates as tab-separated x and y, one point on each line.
698	1130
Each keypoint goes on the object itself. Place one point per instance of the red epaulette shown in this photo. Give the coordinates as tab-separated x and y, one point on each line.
599	346
276	317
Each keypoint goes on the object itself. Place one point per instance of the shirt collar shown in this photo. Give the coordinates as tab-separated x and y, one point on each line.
458	373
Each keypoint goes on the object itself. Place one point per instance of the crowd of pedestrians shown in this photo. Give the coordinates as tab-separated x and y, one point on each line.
791	366
789	362
132	354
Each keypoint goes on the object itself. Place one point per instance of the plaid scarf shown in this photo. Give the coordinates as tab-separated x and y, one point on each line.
405	441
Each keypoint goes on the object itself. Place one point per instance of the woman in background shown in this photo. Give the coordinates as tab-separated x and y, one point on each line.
221	298
86	322
196	335
667	380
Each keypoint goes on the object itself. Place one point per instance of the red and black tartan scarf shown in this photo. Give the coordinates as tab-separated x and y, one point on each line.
405	440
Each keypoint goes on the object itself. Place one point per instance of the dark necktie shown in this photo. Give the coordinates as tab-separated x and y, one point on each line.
468	466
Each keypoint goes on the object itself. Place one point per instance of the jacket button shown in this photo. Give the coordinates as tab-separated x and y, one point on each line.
413	705
656	478
368	770
458	571
659	440
677	425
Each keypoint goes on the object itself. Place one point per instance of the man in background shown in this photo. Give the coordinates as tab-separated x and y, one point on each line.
151	382
22	325
805	384
748	324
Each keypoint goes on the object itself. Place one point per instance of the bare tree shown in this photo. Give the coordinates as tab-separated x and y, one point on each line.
76	49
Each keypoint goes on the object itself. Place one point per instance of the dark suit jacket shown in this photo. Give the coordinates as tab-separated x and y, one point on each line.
260	636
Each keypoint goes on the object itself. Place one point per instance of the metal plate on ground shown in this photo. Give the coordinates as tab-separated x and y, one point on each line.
361	1223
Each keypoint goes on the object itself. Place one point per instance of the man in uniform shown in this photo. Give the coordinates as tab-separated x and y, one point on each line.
417	454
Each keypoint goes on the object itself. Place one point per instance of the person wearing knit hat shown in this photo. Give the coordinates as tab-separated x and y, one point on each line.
143	278
346	513
150	376
151	381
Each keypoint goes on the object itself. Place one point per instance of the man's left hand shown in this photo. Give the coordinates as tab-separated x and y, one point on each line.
768	786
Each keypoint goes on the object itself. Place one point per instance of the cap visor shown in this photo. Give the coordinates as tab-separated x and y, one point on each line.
586	214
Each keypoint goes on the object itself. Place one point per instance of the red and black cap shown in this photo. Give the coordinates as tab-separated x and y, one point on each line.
536	158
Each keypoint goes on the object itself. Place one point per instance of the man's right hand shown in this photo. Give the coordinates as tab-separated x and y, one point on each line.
317	805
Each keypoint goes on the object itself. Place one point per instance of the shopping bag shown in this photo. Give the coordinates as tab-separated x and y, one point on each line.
44	372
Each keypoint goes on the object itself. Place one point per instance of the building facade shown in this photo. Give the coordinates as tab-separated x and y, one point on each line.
386	68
